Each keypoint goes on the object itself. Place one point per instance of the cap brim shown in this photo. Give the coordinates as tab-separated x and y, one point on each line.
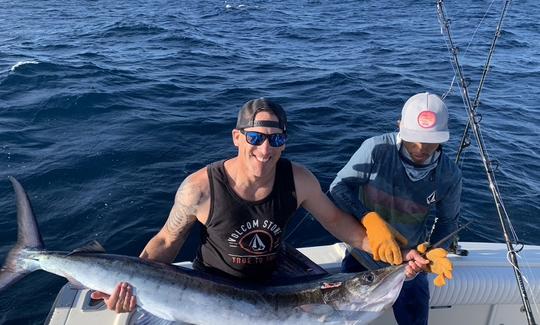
424	136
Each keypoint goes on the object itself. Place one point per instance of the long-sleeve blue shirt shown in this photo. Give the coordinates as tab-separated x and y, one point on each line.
375	179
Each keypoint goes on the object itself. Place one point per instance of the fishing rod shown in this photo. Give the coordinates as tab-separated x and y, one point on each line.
465	141
354	252
474	123
441	241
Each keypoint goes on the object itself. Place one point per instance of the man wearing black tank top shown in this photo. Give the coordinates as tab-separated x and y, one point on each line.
244	204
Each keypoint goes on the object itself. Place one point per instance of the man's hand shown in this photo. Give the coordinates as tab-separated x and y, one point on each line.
439	264
416	263
121	300
382	239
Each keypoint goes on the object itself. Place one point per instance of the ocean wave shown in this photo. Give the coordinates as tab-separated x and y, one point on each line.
239	6
300	33
43	68
127	29
22	63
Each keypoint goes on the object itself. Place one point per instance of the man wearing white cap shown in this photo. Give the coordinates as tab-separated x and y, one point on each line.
392	184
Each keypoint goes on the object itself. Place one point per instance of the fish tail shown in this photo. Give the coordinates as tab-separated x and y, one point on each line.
28	238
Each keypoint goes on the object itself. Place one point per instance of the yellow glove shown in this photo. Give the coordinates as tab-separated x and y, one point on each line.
439	264
422	248
382	239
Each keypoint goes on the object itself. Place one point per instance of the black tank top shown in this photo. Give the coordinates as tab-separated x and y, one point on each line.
242	238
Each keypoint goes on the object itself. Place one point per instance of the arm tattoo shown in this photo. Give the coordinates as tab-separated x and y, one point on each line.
183	214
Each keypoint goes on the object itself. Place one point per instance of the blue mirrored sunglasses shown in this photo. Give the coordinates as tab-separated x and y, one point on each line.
257	138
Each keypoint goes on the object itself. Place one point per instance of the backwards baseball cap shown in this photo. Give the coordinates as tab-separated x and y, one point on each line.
246	115
424	118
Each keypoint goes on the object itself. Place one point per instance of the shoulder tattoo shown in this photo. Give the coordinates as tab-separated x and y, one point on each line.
184	212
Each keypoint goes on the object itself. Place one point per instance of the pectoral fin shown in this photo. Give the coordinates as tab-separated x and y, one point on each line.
143	317
316	309
329	315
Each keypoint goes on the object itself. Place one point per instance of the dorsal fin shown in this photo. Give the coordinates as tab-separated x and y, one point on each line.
93	247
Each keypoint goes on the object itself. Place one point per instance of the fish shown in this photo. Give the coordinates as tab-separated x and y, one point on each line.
179	294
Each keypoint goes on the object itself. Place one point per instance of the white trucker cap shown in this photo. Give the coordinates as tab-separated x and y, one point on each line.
424	118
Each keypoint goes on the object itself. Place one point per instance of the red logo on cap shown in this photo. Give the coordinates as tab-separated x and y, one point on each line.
427	119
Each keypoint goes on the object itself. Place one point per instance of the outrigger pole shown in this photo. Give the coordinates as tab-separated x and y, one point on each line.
474	123
465	142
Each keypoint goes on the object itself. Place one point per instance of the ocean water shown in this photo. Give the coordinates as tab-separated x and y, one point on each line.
105	107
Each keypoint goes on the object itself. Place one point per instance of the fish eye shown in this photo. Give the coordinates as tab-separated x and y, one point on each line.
368	277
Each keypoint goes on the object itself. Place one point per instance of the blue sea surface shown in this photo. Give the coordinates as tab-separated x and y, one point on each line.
106	106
